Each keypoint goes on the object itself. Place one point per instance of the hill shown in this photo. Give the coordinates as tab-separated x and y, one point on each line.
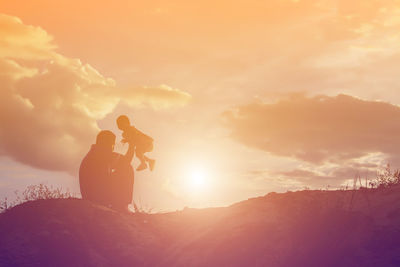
304	228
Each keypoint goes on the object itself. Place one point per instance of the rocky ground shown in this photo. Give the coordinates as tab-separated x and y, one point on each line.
304	228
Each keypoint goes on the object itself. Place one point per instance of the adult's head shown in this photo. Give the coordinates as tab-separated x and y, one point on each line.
106	140
106	177
123	122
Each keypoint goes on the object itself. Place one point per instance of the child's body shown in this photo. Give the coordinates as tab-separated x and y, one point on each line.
143	143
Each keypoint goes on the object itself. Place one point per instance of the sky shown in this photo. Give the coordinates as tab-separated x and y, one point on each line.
242	97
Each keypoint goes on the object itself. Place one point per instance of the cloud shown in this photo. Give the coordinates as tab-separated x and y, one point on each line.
335	178
21	41
321	176
157	97
318	129
50	104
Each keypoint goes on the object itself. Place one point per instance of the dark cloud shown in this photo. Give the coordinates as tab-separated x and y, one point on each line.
318	129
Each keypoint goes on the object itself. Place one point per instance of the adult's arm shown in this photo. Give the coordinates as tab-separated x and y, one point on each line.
130	153
119	161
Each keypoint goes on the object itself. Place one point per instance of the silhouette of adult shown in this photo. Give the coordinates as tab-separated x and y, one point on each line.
107	177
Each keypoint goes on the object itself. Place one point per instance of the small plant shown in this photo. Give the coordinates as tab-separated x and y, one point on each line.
386	178
35	192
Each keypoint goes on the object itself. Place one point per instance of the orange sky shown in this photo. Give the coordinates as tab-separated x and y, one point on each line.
254	96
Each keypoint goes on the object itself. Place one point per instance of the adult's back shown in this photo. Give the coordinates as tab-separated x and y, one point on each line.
94	175
107	177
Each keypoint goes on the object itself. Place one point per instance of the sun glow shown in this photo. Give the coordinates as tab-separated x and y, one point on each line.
197	179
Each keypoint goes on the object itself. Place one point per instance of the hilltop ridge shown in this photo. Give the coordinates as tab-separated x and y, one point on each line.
303	228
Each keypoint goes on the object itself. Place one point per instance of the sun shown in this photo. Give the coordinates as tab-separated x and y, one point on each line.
196	179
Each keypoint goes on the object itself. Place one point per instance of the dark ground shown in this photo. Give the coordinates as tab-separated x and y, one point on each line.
305	228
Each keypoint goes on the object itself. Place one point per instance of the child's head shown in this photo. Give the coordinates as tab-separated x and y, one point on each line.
123	122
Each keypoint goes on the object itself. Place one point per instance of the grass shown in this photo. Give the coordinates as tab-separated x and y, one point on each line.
43	191
35	192
386	178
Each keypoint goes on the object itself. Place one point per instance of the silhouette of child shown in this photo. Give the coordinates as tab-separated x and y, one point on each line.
142	142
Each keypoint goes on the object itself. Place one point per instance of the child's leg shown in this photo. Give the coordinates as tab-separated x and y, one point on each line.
140	155
143	159
148	148
150	161
147	158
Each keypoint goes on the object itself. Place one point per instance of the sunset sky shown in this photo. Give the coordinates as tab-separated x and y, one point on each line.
242	97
